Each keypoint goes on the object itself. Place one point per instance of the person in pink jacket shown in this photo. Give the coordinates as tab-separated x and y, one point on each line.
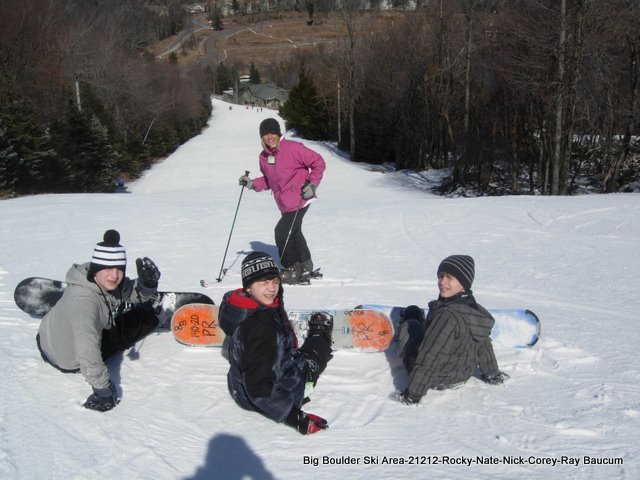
293	173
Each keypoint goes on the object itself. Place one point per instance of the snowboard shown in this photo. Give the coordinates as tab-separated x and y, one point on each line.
196	325
517	328
358	330
36	296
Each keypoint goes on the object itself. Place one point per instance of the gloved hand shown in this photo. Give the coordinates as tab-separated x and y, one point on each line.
306	423
404	397
245	181
412	311
494	378
102	399
308	190
148	272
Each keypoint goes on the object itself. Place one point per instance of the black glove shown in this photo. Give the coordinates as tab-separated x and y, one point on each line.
148	273
494	378
404	397
413	311
102	399
308	190
306	423
245	181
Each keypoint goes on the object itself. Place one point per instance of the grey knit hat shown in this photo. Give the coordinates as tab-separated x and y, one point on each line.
460	266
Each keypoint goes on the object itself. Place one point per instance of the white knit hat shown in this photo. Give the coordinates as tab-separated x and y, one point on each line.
108	254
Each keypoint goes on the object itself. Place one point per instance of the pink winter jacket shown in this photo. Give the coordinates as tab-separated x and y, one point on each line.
294	165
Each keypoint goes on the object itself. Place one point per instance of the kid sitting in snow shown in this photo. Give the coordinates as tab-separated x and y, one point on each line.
445	349
268	373
101	312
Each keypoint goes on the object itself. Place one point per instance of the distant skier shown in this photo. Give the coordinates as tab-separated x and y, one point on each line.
268	373
445	349
292	172
92	320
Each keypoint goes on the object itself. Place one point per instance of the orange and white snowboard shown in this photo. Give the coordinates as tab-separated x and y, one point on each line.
196	324
358	330
353	329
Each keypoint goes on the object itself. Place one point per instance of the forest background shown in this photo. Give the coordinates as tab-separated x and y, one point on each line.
524	96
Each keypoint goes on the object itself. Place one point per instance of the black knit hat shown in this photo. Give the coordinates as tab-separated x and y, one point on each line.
270	125
256	266
460	266
108	254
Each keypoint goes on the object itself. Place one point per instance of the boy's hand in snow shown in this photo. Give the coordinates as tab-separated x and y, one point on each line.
495	378
102	399
306	423
404	397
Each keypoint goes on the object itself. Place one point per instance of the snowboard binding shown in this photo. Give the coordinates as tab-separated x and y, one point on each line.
321	323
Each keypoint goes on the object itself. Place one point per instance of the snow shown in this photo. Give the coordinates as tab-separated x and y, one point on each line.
379	238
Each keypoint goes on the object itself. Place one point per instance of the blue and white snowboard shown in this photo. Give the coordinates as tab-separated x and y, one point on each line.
516	328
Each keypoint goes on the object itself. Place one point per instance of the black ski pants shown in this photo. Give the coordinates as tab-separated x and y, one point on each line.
129	327
295	249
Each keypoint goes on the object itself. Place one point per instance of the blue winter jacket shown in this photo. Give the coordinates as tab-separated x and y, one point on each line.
267	374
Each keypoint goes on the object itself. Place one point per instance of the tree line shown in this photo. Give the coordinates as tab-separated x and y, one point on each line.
514	96
81	99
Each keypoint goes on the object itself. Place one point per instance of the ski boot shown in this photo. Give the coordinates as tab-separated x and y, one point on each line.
293	275
308	273
306	269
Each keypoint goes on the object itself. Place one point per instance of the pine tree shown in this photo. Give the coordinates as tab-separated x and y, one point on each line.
304	110
105	158
28	163
8	158
217	22
223	78
254	75
85	143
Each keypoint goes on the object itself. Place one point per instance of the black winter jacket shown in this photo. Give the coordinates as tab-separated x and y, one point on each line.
267	373
456	342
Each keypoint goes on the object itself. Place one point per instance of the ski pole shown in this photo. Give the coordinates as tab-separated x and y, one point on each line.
223	271
293	223
289	234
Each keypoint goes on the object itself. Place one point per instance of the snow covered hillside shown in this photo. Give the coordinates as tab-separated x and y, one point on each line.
574	397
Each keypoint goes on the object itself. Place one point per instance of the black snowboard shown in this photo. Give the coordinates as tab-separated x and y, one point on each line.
36	296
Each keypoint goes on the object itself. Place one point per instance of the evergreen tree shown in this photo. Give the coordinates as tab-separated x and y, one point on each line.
8	159
85	143
223	78
217	22
310	10
254	75
105	158
304	110
28	163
